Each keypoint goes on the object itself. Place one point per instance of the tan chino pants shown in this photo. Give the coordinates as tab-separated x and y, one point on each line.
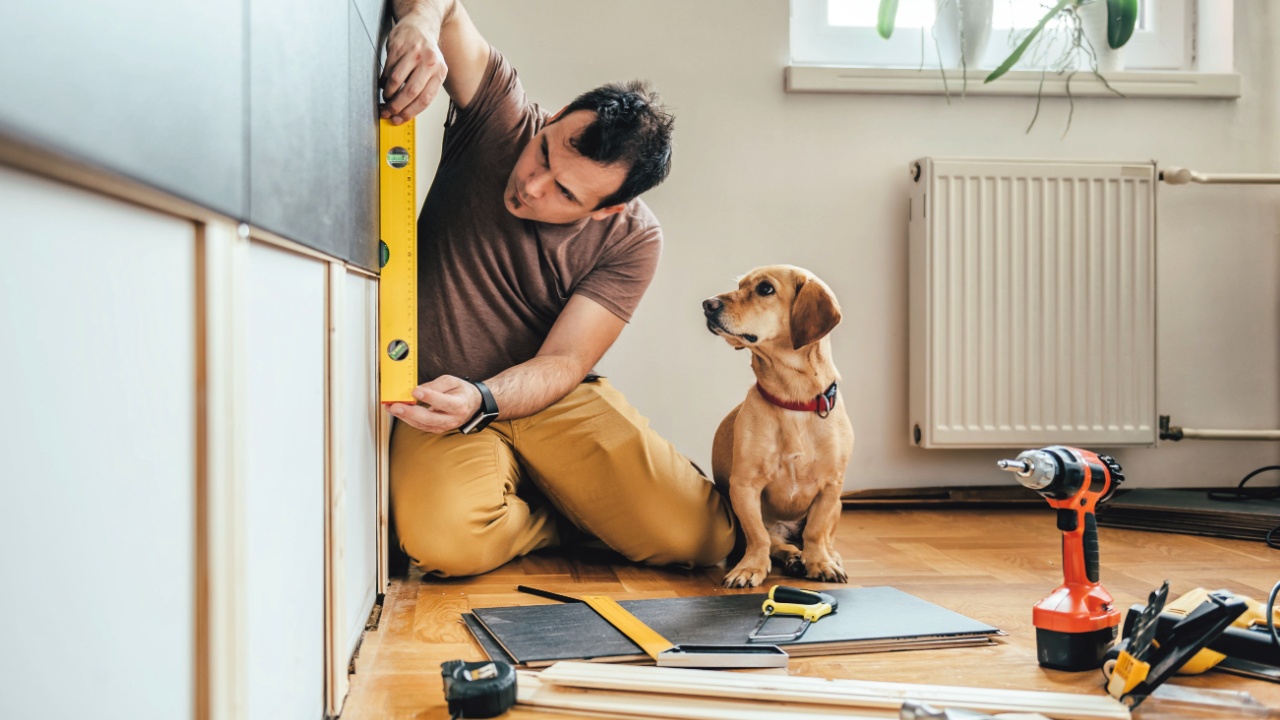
466	504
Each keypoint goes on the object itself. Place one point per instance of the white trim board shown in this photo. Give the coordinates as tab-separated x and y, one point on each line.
928	81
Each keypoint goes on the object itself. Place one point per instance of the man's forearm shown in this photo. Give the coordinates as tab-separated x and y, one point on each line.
430	14
534	385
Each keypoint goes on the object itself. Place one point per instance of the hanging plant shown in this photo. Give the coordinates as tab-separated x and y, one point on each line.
887	17
1122	18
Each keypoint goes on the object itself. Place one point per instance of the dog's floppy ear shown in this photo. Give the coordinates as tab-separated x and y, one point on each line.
814	313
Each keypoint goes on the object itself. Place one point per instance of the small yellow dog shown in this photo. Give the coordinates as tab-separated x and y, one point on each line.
784	450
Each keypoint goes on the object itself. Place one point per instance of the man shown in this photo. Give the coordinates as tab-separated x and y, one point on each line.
533	253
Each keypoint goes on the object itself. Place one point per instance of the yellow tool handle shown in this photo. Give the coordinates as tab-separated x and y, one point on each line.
787	600
646	637
808	612
1128	672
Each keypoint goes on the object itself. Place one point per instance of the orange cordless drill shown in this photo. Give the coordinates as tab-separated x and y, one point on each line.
1077	622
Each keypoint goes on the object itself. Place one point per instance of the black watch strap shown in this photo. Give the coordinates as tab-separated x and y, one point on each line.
487	413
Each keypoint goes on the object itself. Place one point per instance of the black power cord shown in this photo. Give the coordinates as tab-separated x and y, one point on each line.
1240	492
1271	614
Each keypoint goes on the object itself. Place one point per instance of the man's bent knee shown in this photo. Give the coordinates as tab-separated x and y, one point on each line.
455	549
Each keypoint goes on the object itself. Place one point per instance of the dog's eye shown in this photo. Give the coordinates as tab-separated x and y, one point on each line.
764	288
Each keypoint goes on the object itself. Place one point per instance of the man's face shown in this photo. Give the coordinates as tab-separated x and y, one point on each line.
553	183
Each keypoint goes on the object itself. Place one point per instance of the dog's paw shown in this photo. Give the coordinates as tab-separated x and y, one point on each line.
794	567
745	575
826	571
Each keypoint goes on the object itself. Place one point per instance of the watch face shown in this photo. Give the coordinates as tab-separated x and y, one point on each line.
479	422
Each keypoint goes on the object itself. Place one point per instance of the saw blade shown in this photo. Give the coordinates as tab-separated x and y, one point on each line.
1144	628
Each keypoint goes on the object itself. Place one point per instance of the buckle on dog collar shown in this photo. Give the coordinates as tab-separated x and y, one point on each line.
822	404
825	401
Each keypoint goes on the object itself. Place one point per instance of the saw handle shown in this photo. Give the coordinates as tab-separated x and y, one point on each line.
787	600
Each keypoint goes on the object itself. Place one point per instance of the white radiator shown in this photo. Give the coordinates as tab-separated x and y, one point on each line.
1032	303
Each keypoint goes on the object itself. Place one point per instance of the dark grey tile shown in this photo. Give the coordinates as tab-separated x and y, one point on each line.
362	133
299	155
153	91
371	15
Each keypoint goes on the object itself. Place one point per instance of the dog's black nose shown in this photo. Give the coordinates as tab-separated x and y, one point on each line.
711	306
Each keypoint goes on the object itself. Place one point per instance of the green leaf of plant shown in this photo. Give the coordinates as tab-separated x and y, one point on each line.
888	14
1122	17
1017	52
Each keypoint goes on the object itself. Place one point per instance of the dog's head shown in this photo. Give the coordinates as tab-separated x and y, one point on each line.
774	305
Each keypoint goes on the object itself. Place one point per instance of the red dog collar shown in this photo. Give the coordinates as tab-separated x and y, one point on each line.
821	404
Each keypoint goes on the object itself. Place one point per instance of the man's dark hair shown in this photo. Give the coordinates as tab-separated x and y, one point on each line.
632	127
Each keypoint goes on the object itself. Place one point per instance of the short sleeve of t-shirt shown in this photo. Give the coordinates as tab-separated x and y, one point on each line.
620	279
498	110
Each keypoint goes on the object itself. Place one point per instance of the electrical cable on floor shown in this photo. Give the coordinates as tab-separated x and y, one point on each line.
1271	613
1240	492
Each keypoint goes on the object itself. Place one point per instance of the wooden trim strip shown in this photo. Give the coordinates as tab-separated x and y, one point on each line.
203	704
223	253
844	693
335	636
533	691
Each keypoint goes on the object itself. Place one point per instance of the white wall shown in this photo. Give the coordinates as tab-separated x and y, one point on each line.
762	176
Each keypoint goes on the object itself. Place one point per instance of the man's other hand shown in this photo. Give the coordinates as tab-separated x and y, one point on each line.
414	72
447	403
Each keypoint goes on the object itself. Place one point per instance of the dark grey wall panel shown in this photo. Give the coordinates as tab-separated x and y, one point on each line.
152	90
371	15
299	159
362	133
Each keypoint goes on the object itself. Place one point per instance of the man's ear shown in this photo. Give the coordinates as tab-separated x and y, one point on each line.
605	212
814	313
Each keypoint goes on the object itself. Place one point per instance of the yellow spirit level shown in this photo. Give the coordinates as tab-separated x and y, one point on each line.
398	260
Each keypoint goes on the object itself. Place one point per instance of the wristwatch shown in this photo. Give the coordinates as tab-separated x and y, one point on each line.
487	413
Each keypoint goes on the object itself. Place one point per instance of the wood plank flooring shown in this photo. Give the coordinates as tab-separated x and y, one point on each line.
989	564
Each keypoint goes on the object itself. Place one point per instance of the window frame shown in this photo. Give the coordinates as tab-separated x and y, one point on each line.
1164	45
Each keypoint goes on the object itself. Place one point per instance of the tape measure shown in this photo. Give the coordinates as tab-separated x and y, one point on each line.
478	689
398	260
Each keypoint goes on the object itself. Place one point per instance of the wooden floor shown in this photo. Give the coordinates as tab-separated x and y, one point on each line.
989	564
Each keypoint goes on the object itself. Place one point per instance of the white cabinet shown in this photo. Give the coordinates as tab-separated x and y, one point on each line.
98	457
189	463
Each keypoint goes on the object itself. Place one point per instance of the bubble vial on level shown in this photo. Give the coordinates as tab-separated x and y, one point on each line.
398	350
397	157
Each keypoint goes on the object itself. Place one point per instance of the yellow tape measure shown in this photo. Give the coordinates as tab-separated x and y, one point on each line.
398	259
646	637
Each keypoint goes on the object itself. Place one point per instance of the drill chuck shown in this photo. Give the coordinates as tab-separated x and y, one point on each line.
1035	468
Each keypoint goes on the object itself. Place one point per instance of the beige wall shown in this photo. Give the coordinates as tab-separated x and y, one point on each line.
762	176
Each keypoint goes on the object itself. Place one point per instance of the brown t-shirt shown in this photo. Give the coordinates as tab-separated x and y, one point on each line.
490	285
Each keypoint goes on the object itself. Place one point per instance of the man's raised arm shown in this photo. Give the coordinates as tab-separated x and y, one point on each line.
433	42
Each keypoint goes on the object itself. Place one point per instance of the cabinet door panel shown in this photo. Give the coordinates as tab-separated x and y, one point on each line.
285	485
359	449
97	456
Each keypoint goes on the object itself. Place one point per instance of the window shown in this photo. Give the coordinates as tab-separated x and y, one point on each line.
843	32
